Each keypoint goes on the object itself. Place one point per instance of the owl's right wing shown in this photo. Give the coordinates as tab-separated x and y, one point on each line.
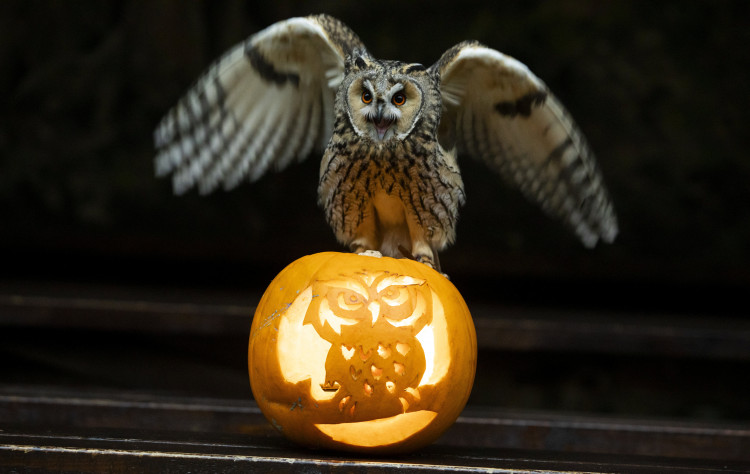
495	109
266	102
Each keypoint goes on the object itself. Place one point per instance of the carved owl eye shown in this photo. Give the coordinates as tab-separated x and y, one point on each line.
394	295
398	99
402	305
350	301
366	96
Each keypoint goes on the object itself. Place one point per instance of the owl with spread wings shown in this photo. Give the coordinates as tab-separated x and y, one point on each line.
390	134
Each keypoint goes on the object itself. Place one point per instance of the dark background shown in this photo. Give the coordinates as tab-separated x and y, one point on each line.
659	89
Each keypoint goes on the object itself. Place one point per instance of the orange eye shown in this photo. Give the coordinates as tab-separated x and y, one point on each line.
399	99
366	97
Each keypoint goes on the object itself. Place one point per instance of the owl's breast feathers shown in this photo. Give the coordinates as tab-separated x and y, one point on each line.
380	190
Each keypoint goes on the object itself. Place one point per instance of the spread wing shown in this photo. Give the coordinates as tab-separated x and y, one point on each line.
265	103
498	111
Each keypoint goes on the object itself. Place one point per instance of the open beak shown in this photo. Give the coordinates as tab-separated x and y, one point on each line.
381	124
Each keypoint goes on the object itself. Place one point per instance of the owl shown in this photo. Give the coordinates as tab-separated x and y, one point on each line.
372	322
389	133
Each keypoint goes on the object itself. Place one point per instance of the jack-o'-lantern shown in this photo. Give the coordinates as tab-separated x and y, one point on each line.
361	353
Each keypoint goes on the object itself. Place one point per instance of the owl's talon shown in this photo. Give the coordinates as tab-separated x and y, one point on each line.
426	260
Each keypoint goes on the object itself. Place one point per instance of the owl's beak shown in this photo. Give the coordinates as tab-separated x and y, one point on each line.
374	309
381	123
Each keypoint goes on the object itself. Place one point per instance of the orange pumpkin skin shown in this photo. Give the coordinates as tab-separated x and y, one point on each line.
361	353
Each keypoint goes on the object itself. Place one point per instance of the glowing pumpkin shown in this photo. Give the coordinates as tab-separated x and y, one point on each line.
361	353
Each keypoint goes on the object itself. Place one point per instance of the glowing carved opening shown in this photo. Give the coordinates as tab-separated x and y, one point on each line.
384	352
347	352
343	402
402	348
364	355
404	404
379	432
292	336
434	340
413	392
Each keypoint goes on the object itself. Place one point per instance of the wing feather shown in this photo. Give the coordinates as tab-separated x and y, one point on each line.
505	116
263	104
286	134
254	108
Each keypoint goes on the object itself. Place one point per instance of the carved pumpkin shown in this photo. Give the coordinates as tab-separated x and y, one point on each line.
361	353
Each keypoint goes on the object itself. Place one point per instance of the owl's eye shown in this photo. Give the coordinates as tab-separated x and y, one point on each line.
399	99
366	96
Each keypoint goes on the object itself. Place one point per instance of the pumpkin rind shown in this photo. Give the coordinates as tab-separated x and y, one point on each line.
361	353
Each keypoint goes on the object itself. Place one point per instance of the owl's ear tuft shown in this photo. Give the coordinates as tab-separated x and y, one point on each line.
360	62
416	67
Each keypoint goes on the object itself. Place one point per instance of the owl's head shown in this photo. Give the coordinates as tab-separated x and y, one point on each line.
386	100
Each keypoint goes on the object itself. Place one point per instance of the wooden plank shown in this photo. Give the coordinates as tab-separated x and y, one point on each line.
134	452
126	310
642	334
498	327
476	428
554	432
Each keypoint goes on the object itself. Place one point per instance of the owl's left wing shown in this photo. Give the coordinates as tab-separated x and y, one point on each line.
266	102
496	110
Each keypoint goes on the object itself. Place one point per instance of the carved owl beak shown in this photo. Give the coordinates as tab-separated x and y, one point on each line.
374	309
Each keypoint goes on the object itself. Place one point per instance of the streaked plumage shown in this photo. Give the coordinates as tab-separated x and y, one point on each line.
389	131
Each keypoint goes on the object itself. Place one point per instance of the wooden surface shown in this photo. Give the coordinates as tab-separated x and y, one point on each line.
113	379
102	430
498	327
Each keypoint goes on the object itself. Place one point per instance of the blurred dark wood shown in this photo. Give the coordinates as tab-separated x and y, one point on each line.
70	306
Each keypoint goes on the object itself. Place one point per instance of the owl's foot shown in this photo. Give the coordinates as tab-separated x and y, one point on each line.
405	253
422	258
430	260
427	260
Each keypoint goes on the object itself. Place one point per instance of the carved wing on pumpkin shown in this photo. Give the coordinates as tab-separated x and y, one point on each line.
265	103
495	109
